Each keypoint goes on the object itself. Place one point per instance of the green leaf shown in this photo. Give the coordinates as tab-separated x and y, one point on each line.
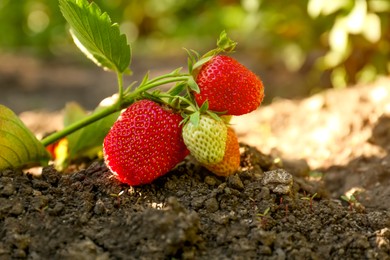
18	145
346	198
96	36
88	140
193	85
73	113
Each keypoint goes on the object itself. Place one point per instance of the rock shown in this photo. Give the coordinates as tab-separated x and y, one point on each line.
212	205
7	190
211	181
278	181
235	182
99	208
83	249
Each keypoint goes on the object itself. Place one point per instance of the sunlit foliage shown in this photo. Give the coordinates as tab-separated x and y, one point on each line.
346	40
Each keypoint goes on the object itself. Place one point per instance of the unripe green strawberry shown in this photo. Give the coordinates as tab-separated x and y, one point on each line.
144	143
228	86
207	140
231	159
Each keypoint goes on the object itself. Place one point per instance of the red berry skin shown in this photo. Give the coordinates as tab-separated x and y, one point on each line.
228	86
144	143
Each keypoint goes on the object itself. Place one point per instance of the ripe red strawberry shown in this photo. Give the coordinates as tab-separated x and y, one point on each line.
228	86
144	143
231	159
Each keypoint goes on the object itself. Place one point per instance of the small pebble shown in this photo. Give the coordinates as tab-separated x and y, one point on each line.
8	189
235	182
17	208
99	207
209	180
278	181
211	205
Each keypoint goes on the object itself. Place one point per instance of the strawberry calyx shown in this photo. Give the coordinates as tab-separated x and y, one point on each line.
195	61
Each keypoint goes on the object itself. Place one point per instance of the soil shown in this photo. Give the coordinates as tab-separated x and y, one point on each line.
298	157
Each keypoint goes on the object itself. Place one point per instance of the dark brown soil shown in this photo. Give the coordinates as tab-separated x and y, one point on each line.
187	214
331	144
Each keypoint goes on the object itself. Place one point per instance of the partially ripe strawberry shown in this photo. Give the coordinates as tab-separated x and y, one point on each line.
144	143
206	140
231	159
228	86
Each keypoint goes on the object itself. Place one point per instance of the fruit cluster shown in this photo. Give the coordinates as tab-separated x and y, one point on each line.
152	135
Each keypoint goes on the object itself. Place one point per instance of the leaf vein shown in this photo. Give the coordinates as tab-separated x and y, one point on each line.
26	134
10	149
21	142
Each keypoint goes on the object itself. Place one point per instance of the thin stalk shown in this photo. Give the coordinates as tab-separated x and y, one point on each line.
79	124
123	101
152	84
180	98
120	87
171	75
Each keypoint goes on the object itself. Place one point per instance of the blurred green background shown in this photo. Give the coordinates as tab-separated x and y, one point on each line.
297	47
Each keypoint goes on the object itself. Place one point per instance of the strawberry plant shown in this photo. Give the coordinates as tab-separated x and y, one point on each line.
352	202
263	217
310	199
143	131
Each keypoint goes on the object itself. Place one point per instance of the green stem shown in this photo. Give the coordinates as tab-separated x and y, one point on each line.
120	87
123	101
151	84
79	124
185	100
171	75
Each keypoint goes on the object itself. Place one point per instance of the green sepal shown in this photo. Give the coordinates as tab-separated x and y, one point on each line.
193	85
175	102
200	62
213	115
204	107
193	56
129	88
194	118
145	79
185	117
176	71
18	145
226	118
153	96
225	43
177	89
